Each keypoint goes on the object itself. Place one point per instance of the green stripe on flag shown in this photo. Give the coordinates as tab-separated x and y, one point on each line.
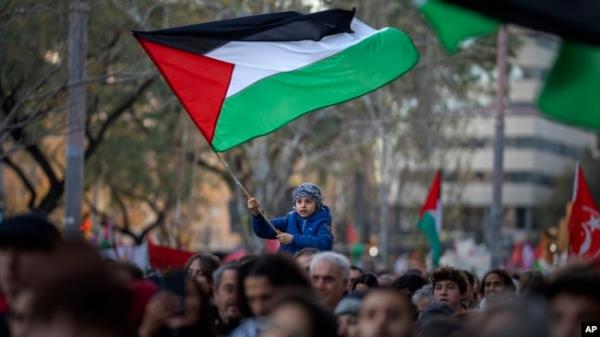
572	89
427	226
454	24
271	103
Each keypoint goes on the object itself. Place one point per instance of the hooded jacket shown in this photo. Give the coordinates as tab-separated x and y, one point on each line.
314	231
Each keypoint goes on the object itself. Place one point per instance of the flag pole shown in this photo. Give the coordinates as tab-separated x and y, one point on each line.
575	181
244	190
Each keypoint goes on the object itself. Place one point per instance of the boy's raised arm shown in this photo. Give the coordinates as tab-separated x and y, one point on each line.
254	206
262	228
260	225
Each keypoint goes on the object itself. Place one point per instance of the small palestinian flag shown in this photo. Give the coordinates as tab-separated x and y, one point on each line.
246	77
430	218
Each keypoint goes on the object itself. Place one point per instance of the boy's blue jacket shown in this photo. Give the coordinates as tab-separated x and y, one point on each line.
314	231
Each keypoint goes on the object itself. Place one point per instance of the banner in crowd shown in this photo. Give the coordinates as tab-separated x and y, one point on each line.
149	256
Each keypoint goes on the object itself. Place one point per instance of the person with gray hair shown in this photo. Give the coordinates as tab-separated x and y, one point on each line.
346	315
423	297
217	275
329	273
225	311
303	258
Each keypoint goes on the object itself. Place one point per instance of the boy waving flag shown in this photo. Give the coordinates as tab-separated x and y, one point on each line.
246	77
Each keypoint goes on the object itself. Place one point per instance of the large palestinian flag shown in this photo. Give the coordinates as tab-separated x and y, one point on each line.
246	77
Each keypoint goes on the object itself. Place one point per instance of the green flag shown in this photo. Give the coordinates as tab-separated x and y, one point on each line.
572	89
454	24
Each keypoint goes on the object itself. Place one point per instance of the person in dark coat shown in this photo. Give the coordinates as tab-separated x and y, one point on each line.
25	242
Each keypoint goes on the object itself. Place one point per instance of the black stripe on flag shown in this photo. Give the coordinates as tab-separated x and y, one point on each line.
283	26
577	20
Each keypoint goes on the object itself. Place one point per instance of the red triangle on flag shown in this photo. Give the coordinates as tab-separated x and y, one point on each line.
433	197
199	82
584	222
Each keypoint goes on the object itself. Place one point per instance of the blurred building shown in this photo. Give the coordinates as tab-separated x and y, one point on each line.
536	152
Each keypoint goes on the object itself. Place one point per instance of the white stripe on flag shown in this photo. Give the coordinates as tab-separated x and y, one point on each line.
256	60
575	182
438	215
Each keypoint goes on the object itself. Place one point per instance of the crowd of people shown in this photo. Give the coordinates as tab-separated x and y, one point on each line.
55	288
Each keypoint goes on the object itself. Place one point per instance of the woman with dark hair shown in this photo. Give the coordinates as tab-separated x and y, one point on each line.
168	315
74	293
201	267
532	283
496	285
365	282
471	301
385	312
515	317
258	281
296	313
273	271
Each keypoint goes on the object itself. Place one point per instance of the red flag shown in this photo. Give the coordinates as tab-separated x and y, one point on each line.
433	203
235	255
162	257
86	226
351	235
271	246
584	222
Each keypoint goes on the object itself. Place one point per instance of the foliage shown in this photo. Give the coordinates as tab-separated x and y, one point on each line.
135	129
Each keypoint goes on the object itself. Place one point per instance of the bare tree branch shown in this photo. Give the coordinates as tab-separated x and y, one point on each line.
5	7
122	207
216	170
114	115
125	228
24	179
11	106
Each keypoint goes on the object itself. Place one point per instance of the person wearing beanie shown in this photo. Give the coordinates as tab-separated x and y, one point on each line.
435	309
25	240
346	315
307	225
